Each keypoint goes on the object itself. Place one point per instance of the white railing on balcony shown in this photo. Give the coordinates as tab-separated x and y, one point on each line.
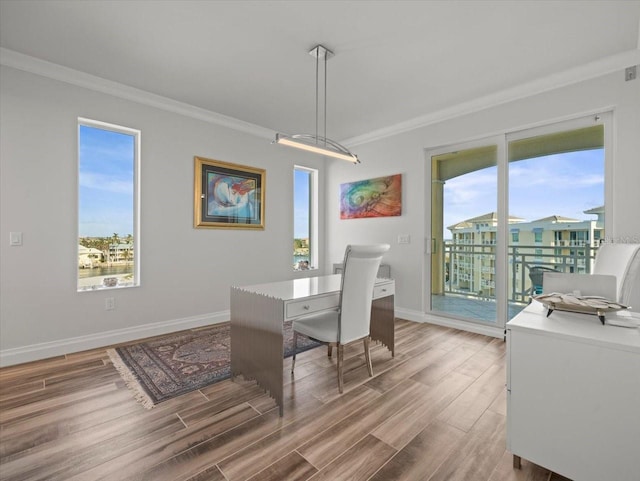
521	259
569	243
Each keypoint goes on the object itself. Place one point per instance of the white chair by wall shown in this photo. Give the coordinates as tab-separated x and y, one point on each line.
619	260
351	321
623	262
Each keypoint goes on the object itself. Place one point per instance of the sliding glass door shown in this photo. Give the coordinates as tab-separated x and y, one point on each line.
464	229
556	203
505	209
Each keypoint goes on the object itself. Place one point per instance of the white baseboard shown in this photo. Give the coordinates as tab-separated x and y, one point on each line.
35	352
409	314
417	316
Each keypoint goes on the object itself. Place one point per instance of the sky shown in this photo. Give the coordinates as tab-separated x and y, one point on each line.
106	186
560	184
106	183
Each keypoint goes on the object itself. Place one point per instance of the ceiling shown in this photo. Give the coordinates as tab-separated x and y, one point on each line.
394	60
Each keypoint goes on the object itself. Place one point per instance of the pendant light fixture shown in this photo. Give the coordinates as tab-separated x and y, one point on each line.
316	143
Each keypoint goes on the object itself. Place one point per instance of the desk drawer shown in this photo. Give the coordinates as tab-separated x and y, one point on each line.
383	290
309	306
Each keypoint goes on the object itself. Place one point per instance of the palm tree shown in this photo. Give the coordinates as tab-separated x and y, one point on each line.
115	242
127	255
129	251
102	243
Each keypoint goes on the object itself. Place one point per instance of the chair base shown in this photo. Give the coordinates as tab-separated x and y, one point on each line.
340	347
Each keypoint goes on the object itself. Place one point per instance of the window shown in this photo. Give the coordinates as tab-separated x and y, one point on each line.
108	240
579	238
537	236
461	270
305	222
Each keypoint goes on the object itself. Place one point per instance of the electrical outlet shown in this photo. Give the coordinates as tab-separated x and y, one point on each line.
109	303
404	239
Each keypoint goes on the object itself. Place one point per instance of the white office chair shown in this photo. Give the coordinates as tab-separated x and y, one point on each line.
350	322
621	261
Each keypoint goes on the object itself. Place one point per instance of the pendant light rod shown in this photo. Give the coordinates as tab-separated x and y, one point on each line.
316	143
317	72
320	51
326	57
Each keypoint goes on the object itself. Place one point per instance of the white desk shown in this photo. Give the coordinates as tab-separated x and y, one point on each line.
259	311
573	394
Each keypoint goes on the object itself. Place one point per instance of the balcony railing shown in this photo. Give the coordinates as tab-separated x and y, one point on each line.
521	259
570	243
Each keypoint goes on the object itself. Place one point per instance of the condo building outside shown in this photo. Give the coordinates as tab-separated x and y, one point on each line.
555	243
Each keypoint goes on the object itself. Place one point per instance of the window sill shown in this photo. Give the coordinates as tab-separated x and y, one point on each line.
106	288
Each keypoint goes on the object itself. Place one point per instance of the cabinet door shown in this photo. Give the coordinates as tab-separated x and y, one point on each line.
573	407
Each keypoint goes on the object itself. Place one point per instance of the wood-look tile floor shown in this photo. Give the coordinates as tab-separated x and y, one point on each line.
436	411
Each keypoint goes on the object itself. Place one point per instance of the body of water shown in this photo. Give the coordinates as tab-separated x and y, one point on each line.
105	271
297	259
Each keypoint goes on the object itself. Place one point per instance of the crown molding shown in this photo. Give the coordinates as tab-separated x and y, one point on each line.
561	79
19	61
588	71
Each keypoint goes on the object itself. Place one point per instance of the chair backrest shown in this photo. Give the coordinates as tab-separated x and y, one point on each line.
536	274
361	264
586	284
622	261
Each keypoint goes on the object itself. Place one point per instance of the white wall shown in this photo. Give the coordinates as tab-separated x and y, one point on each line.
404	153
185	272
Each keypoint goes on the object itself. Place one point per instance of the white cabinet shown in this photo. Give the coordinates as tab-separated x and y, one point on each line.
573	395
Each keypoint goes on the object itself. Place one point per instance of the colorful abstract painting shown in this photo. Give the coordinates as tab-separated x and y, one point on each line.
379	197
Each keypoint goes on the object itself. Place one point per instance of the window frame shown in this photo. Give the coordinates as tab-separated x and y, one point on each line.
500	142
313	214
136	134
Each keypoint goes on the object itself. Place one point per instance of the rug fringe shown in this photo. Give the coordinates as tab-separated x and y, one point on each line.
130	380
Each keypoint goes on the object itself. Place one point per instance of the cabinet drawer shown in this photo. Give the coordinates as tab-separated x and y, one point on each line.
383	290
309	306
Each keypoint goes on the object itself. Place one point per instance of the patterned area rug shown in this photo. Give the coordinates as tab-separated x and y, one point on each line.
165	367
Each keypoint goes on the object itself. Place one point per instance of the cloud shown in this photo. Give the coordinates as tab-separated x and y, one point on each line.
564	184
109	183
465	189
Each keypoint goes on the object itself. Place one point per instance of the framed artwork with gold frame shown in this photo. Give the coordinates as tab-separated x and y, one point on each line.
228	196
